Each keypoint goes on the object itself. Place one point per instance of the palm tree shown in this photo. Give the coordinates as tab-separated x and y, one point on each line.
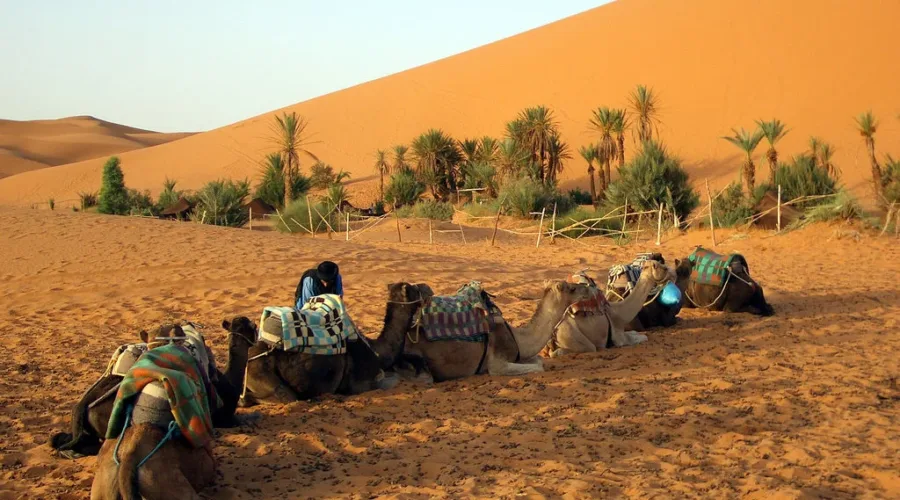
400	162
469	150
645	105
589	153
381	166
867	126
620	123
510	157
773	131
826	152
603	121
488	148
747	142
557	152
437	158
288	132
538	126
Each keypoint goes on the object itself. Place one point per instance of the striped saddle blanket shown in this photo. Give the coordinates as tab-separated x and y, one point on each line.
463	316
167	373
321	327
597	304
711	268
632	273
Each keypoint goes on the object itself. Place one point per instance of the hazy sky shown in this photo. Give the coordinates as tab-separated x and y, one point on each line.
194	65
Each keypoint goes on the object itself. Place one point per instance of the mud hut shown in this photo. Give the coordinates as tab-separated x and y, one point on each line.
180	210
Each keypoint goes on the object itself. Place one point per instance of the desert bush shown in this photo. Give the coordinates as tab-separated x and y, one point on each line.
297	215
580	197
890	179
404	189
651	178
52	203
731	207
481	175
485	209
88	200
220	203
803	177
113	195
525	195
169	195
435	210
322	175
335	196
140	202
270	187
581	214
843	206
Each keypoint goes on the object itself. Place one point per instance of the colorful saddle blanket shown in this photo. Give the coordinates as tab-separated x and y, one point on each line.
321	327
463	316
711	268
632	274
127	354
172	367
597	304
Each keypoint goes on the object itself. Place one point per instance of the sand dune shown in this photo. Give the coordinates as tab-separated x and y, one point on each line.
715	64
803	404
38	144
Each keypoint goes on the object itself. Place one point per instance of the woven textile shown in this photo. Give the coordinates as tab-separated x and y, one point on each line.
176	370
597	304
321	327
710	268
463	316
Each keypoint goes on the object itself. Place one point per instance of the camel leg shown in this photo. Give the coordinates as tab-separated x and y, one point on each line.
105	485
534	360
635	338
165	484
571	341
500	367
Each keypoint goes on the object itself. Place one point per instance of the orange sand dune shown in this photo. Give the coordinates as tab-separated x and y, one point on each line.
716	65
38	144
803	404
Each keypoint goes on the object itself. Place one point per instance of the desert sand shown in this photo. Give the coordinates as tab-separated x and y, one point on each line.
36	144
716	65
800	405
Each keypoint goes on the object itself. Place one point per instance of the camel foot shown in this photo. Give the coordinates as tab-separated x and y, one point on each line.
389	381
514	369
635	338
248	419
534	360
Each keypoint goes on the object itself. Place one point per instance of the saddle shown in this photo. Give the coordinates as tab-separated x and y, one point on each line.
710	268
464	316
321	327
632	273
597	304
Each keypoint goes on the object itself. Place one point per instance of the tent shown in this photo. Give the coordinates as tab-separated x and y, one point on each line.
770	220
178	210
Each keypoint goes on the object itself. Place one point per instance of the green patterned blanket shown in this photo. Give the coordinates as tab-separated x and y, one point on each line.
177	371
711	268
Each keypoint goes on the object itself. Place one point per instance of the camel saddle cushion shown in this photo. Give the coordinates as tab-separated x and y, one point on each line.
632	274
711	268
463	316
597	304
321	327
172	367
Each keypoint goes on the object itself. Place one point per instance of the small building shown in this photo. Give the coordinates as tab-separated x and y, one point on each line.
180	210
769	204
258	208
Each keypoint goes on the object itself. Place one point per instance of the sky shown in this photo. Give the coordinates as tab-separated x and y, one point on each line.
196	65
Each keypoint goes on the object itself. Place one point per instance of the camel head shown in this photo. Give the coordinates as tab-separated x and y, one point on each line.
656	271
562	293
241	331
191	338
402	293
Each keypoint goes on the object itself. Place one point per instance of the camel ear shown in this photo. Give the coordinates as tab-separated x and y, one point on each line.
145	337
677	262
547	284
226	324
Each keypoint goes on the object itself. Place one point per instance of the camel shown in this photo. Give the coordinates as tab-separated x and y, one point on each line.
506	351
285	376
654	313
160	452
733	291
90	415
590	332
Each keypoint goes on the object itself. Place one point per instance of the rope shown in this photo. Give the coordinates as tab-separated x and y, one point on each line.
170	434
119	441
724	287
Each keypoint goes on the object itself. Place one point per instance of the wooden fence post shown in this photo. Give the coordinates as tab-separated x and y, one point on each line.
461	232
553	225
887	219
496	224
712	224
540	228
348	227
397	218
659	224
430	233
624	219
897	224
251	218
309	211
779	209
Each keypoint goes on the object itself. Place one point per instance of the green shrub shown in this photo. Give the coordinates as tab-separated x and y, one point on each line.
405	212
890	179
651	178
580	197
335	196
220	203
843	206
525	195
803	177
322	175
169	195
113	195
270	188
88	200
404	189
487	209
296	217
435	210
140	202
482	175
731	208
52	203
581	214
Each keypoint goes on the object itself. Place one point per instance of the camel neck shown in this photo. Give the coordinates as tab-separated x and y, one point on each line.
532	337
627	309
236	365
389	344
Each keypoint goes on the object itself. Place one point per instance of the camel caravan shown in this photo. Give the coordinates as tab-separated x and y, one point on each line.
150	417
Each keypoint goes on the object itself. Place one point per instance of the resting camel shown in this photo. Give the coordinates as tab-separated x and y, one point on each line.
155	457
286	376
654	313
593	331
91	414
506	351
732	290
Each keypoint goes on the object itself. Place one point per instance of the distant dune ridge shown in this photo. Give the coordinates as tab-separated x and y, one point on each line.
37	144
715	65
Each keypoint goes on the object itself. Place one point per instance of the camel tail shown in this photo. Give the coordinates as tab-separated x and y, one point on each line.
128	468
